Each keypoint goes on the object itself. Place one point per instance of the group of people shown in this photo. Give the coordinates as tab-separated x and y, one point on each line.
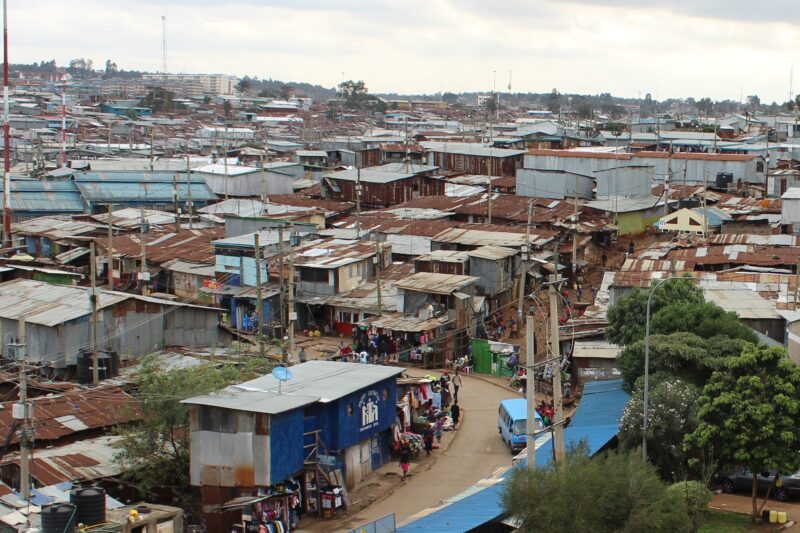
496	326
436	410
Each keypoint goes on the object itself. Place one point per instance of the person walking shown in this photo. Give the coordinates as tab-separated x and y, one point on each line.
405	460
427	439
455	414
456	385
439	429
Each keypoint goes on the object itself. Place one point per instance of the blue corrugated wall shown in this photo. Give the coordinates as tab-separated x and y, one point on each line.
285	441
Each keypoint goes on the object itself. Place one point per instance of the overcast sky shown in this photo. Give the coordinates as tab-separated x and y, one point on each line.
680	48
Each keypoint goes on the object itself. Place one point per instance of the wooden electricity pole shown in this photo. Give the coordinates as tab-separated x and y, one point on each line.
259	299
555	355
378	265
110	250
93	303
530	393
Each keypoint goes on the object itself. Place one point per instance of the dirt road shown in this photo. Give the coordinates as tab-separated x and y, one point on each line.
475	452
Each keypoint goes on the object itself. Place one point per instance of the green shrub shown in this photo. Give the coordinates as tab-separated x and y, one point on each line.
696	496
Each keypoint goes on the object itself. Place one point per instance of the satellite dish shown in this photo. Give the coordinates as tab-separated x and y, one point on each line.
281	373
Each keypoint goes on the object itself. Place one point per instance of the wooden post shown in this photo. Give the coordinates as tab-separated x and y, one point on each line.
110	250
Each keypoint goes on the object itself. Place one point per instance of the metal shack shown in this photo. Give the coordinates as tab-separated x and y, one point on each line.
54	321
384	185
329	419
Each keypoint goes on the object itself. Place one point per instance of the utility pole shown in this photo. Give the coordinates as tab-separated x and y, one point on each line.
225	160
525	263
705	207
575	232
110	250
358	199
259	299
796	283
292	313
489	206
175	201
22	412
667	180
378	265
6	136
189	205
143	269
93	303
556	355
280	279
530	393
63	159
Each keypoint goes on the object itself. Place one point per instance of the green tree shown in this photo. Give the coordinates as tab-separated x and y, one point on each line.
154	453
227	107
554	101
705	319
626	318
244	84
131	113
682	355
748	414
614	492
450	98
154	99
671	414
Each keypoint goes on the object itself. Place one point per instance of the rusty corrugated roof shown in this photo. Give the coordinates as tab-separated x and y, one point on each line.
75	411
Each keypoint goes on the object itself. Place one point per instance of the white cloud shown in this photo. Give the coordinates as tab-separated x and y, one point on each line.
712	48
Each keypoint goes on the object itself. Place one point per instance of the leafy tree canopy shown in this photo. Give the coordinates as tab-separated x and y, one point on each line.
748	414
671	414
614	492
627	316
682	355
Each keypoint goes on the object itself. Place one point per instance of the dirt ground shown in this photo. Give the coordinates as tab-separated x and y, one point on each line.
741	503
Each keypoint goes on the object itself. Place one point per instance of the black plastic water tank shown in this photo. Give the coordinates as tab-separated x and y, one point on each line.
58	518
91	504
107	365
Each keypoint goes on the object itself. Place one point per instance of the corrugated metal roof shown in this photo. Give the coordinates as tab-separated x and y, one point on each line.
445	256
50	305
411	324
380	174
221	169
435	283
311	382
83	460
186	267
334	253
737	297
474	149
61	415
475	237
492	252
54	227
45	196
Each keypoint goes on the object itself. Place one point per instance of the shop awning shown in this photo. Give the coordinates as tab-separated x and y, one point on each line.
242	501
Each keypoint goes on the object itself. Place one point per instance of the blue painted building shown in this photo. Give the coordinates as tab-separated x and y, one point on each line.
123	111
247	437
